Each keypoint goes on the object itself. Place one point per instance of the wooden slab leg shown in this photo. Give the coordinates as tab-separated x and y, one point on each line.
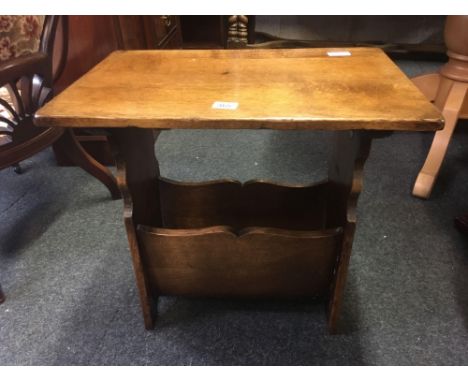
69	147
137	174
350	152
451	110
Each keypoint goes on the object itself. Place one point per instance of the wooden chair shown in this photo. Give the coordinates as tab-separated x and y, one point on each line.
447	89
29	80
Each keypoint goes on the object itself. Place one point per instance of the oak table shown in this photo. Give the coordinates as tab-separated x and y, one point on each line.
224	238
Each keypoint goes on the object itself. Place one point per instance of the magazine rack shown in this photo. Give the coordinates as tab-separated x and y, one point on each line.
224	238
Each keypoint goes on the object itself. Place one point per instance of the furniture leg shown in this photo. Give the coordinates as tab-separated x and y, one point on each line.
2	296
17	168
137	174
69	146
237	34
350	152
451	110
428	84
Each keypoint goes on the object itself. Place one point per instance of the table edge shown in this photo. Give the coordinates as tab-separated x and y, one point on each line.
251	123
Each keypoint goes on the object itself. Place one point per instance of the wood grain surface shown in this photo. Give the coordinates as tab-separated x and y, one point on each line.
252	204
260	262
281	88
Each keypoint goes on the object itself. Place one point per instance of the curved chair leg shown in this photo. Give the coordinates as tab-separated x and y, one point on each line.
451	110
69	146
2	296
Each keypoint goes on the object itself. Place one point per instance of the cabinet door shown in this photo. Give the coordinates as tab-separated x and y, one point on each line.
130	32
162	32
90	39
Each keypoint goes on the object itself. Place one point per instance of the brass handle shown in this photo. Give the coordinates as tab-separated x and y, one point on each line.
167	20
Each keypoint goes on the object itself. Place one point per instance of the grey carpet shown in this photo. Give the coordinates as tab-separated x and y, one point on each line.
71	296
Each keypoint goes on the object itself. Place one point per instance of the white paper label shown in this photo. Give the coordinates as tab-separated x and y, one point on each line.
341	53
225	105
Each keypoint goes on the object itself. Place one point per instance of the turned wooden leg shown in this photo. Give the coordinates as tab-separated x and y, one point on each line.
237	33
69	146
350	152
451	106
137	174
428	84
2	296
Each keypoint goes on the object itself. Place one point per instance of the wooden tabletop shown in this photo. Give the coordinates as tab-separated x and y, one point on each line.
277	88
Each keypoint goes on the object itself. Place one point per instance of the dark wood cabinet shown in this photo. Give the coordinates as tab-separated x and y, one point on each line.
90	39
162	32
148	32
